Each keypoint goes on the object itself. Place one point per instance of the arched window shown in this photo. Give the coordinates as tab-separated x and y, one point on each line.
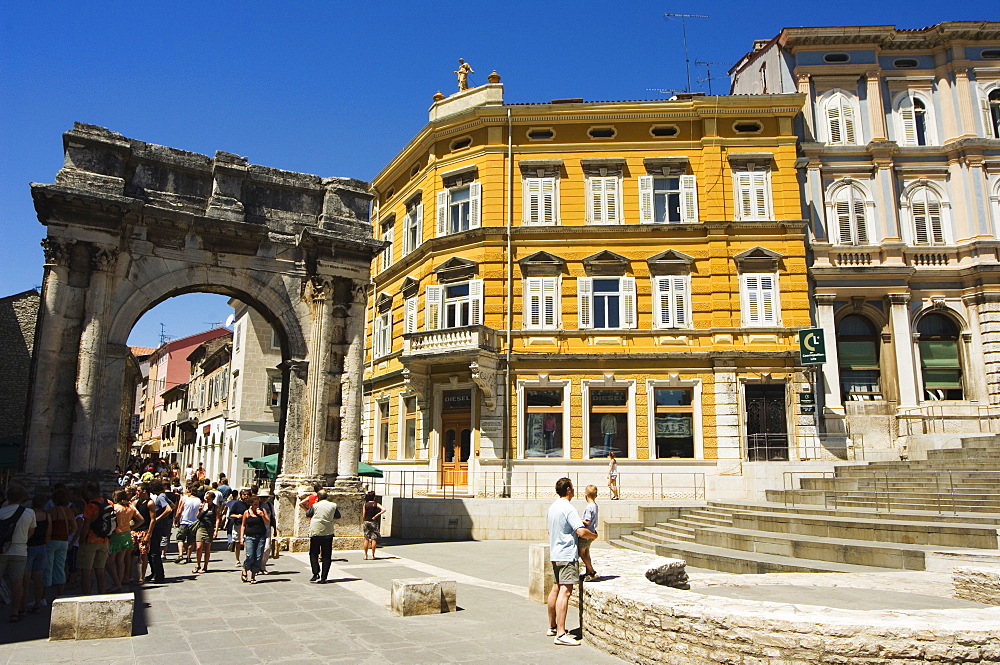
841	121
849	209
940	366
991	113
925	210
857	354
913	120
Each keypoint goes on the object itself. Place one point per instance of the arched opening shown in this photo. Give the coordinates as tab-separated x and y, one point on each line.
209	389
940	357
994	114
858	356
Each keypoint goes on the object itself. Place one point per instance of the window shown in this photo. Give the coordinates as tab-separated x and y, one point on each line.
606	302
858	357
461	144
760	299
991	113
849	208
413	227
454	305
674	422
383	429
836	57
663	131
541	303
601	132
543	422
603	196
672	302
382	337
990	54
748	127
236	338
925	209
905	63
275	340
753	194
387	232
940	368
608	418
540	200
274	393
541	134
668	199
458	209
912	120
410	427
410	315
841	123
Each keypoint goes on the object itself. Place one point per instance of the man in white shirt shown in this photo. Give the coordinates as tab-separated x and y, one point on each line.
565	526
14	556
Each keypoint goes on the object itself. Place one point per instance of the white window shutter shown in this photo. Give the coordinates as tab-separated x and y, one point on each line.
919	211
410	315
547	195
767	300
476	302
646	199
908	122
585	305
847	113
989	131
689	198
432	307
860	220
442	212
628	305
475	205
550	302
833	121
533	302
751	299
595	198
420	225
613	210
661	302
934	221
760	193
532	201
744	195
843	211
680	301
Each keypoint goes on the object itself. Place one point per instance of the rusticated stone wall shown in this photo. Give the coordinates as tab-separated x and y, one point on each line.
18	315
981	585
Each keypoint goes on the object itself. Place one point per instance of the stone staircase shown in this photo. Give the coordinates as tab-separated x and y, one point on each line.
875	517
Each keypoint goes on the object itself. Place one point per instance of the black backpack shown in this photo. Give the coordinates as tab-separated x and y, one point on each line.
7	527
104	525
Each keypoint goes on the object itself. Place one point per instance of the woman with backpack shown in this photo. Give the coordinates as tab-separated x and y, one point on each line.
97	528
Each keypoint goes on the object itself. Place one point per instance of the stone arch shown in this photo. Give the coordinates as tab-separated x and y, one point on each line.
131	224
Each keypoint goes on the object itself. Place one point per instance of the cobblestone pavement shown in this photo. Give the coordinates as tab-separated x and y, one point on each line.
283	619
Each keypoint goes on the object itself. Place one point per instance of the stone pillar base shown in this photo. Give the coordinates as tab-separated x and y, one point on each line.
43	482
301	543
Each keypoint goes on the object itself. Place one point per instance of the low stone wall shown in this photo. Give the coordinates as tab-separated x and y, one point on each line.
981	585
642	623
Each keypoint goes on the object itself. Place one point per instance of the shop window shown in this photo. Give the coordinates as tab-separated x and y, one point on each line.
674	422
609	421
940	365
543	422
858	356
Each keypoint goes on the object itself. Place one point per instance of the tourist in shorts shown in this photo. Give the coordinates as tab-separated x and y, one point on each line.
589	518
373	512
120	543
38	556
93	554
206	528
565	526
14	554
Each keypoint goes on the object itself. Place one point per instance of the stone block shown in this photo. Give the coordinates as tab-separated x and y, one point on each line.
669	572
539	573
429	595
92	617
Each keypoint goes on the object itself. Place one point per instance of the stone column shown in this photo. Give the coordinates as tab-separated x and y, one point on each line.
987	307
108	424
294	481
832	403
808	116
963	91
48	360
93	345
902	342
876	109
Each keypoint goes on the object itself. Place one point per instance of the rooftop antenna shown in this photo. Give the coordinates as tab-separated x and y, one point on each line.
164	336
687	62
666	91
709	78
214	324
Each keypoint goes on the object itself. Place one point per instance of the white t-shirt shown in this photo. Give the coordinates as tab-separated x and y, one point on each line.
563	523
189	511
590	513
19	542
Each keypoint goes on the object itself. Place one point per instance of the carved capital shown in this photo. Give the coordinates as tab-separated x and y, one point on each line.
825	299
486	379
300	368
316	288
898	298
57	250
103	257
418	383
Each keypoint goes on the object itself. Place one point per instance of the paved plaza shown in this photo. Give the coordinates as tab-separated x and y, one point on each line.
215	619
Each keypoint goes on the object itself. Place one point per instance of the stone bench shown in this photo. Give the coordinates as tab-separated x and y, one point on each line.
92	617
428	595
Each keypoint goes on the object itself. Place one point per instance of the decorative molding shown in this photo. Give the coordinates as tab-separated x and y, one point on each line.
542	264
486	379
300	368
57	250
103	257
606	263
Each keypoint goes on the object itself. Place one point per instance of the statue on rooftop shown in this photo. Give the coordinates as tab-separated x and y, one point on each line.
463	71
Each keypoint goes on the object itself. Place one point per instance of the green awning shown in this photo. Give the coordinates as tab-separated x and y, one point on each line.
858	355
939	353
365	469
268	463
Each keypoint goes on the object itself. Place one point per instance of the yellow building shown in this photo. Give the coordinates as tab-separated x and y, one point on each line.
567	279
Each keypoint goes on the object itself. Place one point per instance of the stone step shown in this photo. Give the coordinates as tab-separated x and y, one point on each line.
977	497
672	531
735	561
634	542
694	520
859	513
911	505
898	484
838	550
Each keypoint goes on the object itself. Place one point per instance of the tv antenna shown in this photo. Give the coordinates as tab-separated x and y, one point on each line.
164	335
687	62
666	91
214	324
709	78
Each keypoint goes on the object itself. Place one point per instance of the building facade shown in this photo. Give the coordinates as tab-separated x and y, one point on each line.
208	406
900	164
18	318
568	279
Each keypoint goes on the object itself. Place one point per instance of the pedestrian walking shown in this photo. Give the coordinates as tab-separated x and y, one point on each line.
63	525
187	516
321	516
205	532
141	533
613	475
233	517
17	524
253	534
159	530
38	556
373	511
565	526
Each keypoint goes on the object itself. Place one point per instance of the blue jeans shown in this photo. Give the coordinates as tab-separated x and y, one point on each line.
55	572
609	443
255	553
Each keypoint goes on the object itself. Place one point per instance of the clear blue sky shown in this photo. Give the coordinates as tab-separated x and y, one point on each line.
337	88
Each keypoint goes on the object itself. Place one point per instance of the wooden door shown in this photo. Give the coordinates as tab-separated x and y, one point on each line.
456	445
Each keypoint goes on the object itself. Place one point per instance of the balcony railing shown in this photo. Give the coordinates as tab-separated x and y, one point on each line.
469	338
893	254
